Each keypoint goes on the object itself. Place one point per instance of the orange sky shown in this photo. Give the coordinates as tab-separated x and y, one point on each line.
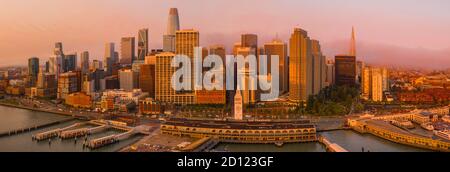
388	32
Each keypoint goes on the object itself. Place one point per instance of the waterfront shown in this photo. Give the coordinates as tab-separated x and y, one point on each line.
348	139
13	118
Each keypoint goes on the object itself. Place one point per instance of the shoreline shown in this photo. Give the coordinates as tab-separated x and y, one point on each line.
68	114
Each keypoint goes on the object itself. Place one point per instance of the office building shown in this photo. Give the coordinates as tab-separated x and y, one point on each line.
84	62
279	48
127	50
345	67
128	79
164	91
173	25
33	70
300	68
142	44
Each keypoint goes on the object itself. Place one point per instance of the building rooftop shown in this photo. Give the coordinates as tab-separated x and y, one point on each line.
240	124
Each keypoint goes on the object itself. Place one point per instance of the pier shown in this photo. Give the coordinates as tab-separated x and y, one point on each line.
53	133
97	143
28	129
331	147
81	132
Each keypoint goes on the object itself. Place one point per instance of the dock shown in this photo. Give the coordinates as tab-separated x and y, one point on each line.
53	133
107	140
28	129
331	147
81	132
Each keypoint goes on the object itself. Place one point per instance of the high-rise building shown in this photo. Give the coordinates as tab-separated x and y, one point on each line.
359	69
109	58
318	67
186	41
128	79
329	76
249	40
372	84
33	70
353	43
70	62
142	44
68	83
84	62
96	64
173	25
56	65
345	67
299	66
58	51
127	50
277	47
385	75
249	95
365	82
147	79
376	81
164	91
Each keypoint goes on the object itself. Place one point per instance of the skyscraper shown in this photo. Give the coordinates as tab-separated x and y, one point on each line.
186	41
372	83
58	51
173	25
55	65
345	67
299	67
142	44
147	78
249	40
84	62
318	67
70	62
33	70
68	83
329	76
365	82
164	91
128	79
249	95
127	50
109	58
385	77
277	47
353	43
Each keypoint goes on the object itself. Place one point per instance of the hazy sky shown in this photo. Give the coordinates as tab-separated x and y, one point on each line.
388	31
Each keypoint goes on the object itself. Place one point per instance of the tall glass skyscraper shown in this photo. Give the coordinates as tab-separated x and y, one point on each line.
142	44
173	25
33	70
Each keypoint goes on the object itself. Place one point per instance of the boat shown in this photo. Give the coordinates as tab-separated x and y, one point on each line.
427	126
279	144
444	134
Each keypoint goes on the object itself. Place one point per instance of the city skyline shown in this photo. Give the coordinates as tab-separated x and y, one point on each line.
376	43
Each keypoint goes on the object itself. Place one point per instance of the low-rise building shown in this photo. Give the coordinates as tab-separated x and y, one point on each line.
134	95
79	100
150	107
